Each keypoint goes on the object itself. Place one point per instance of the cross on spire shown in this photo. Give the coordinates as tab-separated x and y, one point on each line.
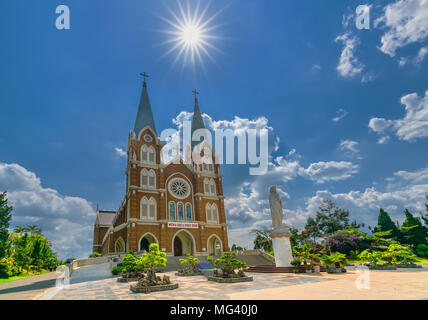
196	92
144	75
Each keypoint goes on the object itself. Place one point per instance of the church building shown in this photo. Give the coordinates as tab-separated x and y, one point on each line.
179	206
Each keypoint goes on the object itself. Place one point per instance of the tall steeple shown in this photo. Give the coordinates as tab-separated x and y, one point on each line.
144	115
197	121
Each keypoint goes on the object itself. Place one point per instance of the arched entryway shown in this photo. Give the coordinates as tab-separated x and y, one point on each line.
145	241
183	243
215	247
119	245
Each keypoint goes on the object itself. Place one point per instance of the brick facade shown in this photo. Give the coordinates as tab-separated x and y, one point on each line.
132	223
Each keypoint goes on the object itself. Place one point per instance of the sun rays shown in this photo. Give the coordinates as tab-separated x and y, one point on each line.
191	37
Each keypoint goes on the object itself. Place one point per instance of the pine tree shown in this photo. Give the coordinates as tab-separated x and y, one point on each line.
5	217
386	228
413	231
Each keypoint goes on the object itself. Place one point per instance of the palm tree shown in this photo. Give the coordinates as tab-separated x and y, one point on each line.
33	229
20	230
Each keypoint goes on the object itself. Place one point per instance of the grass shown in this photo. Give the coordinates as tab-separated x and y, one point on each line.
22	276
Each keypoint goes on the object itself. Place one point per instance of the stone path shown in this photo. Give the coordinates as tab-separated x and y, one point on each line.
189	288
28	288
400	284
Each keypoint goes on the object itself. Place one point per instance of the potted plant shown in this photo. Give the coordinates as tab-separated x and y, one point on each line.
328	261
228	265
190	264
316	263
308	266
149	262
339	260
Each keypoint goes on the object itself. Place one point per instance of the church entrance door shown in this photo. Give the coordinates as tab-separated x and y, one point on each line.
178	247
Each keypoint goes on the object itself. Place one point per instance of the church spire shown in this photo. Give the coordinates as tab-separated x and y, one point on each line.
144	115
197	121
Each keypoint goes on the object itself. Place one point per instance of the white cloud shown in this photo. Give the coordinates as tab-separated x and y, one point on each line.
66	220
406	22
322	171
405	189
250	203
421	54
340	115
413	126
350	148
349	66
120	152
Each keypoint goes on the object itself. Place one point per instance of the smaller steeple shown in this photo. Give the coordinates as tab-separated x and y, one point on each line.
144	115
197	121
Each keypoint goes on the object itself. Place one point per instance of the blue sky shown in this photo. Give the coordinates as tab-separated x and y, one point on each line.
69	98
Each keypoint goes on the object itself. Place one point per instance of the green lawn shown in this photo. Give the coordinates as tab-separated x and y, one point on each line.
22	276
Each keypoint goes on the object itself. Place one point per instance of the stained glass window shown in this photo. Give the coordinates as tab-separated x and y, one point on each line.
180	211
188	211
171	211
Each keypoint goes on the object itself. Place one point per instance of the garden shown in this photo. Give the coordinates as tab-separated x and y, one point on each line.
331	241
25	251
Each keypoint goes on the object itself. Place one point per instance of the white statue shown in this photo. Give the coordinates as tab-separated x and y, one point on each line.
277	212
275	208
280	232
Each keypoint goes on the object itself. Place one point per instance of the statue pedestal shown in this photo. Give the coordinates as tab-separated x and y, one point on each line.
282	249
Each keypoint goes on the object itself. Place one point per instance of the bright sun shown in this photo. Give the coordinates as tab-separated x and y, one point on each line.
190	36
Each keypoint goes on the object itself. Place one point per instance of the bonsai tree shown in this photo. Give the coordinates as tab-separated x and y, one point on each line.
228	264
340	259
399	254
327	260
190	264
129	263
371	257
150	261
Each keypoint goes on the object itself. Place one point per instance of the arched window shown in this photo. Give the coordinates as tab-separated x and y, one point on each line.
144	153
148	209
152	155
212	187
188	211
208	212
148	154
148	178
180	211
209	186
206	186
171	211
210	167
214	212
119	246
152	179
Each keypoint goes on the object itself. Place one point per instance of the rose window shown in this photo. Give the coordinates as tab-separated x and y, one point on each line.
179	188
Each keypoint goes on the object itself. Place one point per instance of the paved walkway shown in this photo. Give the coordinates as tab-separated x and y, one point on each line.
28	288
399	284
